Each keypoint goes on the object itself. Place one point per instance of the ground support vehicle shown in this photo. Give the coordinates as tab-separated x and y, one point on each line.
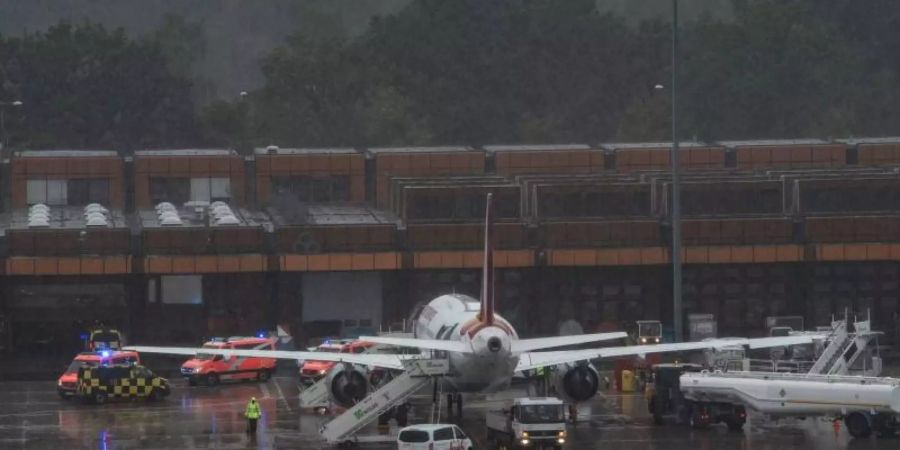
67	382
866	404
313	370
666	399
537	422
98	384
104	338
211	369
438	436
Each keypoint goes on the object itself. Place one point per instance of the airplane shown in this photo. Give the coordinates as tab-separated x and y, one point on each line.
483	348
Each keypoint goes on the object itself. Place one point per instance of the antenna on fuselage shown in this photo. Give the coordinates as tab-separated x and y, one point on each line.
486	315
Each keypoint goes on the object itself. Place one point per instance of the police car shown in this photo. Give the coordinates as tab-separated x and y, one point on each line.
97	384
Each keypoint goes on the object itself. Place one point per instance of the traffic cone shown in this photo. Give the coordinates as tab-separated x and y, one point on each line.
836	424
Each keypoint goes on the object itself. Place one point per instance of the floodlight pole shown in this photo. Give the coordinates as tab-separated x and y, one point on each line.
677	312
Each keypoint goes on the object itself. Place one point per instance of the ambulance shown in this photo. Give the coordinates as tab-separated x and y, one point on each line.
67	383
210	369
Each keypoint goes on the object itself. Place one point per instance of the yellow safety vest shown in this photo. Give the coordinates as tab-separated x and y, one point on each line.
252	410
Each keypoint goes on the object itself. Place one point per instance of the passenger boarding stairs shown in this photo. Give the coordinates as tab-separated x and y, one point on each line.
316	395
417	373
844	349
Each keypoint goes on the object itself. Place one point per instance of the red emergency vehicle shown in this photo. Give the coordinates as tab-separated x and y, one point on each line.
311	370
67	381
210	369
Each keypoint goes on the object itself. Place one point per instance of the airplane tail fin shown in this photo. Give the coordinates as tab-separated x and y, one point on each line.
487	275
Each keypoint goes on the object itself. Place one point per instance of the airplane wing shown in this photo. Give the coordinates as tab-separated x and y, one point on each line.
428	344
533	360
526	345
380	360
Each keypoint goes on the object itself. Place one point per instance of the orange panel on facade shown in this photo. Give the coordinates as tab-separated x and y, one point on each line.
294	263
229	264
20	266
69	266
318	263
365	261
205	264
46	266
92	265
183	264
387	261
158	264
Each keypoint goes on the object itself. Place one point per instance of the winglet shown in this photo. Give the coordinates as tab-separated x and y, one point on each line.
487	276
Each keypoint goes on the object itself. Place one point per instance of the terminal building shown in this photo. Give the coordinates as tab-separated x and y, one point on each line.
175	245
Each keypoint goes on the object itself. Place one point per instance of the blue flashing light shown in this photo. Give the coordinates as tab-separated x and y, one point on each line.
105	353
261	334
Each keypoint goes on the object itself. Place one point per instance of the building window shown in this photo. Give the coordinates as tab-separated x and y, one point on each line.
49	192
210	189
88	190
311	189
170	189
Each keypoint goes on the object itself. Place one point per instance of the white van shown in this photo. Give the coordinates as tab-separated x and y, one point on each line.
439	436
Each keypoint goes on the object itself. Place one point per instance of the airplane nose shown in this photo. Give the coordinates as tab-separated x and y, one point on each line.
494	344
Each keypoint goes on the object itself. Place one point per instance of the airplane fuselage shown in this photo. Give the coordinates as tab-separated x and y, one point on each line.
455	317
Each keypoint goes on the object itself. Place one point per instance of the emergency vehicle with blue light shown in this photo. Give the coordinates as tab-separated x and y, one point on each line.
311	370
103	338
98	384
211	369
66	384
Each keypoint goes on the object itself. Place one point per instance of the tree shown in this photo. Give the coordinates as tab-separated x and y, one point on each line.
84	86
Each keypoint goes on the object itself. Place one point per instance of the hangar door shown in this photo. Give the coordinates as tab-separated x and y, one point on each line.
344	304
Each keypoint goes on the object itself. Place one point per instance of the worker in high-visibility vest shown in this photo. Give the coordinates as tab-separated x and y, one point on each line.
252	413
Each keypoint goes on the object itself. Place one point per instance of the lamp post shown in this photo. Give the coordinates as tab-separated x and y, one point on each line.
677	312
3	106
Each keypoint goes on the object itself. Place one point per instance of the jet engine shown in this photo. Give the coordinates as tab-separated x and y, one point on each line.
576	383
348	384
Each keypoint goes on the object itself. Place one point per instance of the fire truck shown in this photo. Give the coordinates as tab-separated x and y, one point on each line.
211	369
312	370
67	382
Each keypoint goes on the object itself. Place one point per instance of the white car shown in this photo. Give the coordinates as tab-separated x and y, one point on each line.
439	436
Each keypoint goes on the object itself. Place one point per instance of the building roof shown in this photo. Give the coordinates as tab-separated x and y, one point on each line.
303	151
332	215
65	153
445	149
646	145
772	142
64	218
535	148
870	140
187	152
190	218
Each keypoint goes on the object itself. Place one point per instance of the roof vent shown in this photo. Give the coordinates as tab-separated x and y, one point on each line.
217	204
97	221
220	211
95	207
227	220
94	216
39	207
38	222
170	220
165	206
272	149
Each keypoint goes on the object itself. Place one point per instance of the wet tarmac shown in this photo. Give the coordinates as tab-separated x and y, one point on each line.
34	417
